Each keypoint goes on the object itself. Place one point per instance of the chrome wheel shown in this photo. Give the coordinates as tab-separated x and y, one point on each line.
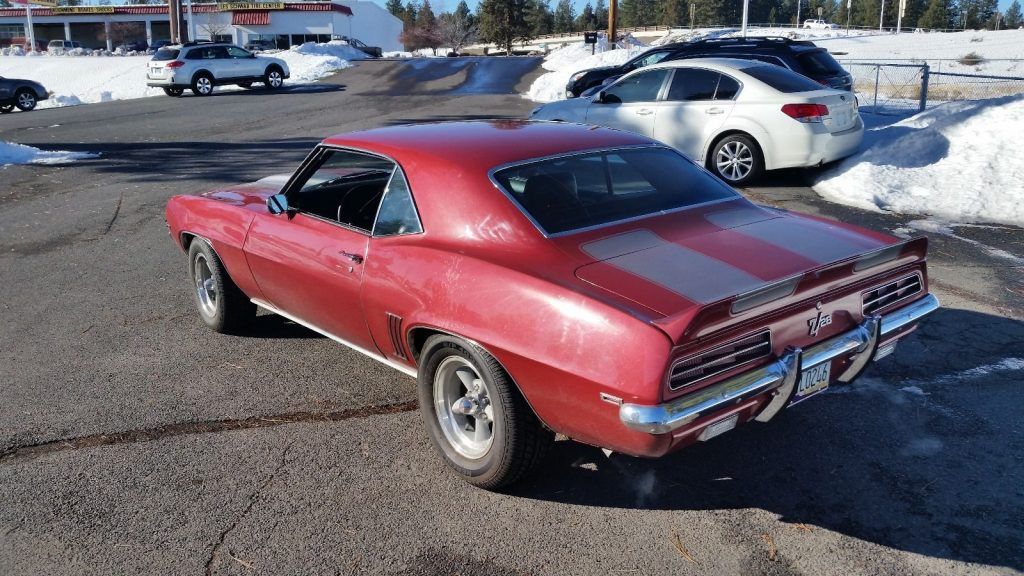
734	160
26	101
204	85
206	287
462	402
274	79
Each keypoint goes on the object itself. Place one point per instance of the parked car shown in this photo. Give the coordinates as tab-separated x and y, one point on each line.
538	277
61	46
158	44
584	80
820	24
372	51
736	117
201	66
135	46
20	94
40	46
800	56
261	45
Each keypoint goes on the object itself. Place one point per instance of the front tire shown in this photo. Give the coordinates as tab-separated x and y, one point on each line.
737	159
25	100
202	84
475	416
221	304
174	92
274	78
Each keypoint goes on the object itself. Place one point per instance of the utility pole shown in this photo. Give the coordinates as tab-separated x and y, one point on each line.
746	8
191	22
881	14
173	9
797	13
899	15
849	6
613	12
692	8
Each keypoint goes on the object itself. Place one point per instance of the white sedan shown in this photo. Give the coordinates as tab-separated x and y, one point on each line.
736	117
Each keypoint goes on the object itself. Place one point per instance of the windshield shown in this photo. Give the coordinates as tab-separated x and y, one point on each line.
165	54
584	190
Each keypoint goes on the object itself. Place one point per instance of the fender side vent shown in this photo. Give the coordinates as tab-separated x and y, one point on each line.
395	332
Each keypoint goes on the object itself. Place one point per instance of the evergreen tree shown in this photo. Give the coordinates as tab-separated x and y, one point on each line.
1012	18
601	14
409	15
565	16
462	11
539	19
587	20
936	15
673	12
425	18
504	22
395	7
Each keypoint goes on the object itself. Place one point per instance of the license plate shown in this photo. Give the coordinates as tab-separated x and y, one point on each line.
813	380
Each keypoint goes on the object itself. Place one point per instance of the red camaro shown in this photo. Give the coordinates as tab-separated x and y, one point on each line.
543	277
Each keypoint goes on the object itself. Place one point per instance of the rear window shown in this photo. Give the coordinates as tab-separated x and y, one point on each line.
782	79
819	63
166	54
575	192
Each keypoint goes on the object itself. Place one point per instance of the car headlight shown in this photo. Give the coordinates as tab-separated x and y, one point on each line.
577	75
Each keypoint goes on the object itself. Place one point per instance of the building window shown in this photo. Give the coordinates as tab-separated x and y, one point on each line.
9	31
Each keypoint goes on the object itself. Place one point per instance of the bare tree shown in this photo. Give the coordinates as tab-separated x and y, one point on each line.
217	24
456	30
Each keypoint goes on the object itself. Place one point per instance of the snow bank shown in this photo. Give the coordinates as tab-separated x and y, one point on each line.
957	161
566	61
312	61
11	153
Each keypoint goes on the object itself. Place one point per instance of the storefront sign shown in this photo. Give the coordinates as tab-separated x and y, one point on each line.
80	9
231	6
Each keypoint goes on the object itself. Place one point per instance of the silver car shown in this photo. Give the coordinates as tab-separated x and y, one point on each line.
201	66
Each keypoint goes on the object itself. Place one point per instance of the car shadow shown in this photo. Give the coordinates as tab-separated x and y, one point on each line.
920	455
312	88
274	326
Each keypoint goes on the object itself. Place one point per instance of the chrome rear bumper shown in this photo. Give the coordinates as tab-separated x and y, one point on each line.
780	376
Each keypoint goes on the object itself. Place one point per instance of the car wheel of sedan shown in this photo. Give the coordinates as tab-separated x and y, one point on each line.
6	108
202	85
736	159
222	305
274	78
25	100
174	92
475	415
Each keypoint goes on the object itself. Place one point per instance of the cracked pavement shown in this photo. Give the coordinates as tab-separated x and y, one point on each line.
135	441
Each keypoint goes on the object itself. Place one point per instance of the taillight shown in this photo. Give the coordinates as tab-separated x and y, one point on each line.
174	64
806	113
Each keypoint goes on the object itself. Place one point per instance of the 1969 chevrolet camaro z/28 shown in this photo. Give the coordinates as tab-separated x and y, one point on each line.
542	277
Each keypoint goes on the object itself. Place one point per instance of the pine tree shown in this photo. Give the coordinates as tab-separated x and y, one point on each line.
539	19
673	12
936	15
564	16
601	14
395	7
586	20
425	18
1012	18
462	11
504	22
409	15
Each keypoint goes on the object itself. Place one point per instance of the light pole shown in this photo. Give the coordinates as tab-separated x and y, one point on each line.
746	9
880	15
797	13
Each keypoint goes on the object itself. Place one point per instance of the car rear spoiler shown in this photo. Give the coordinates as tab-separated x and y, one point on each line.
697	322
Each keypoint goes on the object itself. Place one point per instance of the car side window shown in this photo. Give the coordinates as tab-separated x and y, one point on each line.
728	88
342	186
693	84
220	52
642	87
200	54
397	214
236	52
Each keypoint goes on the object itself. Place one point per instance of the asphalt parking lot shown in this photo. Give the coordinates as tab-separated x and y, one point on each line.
135	441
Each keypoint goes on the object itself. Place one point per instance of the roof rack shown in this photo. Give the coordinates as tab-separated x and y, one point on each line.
198	42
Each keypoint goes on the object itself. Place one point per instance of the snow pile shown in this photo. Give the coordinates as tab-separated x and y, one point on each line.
11	153
956	161
82	80
311	61
566	61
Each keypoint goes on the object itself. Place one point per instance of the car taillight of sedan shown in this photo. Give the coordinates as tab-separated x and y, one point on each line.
806	113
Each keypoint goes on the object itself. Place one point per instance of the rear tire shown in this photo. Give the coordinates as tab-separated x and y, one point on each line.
25	100
174	92
737	159
274	78
202	84
221	304
513	442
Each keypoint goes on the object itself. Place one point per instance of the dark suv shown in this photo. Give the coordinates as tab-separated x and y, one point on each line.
587	79
799	56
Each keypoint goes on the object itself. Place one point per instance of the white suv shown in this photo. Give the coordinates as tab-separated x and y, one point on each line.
819	24
62	46
201	66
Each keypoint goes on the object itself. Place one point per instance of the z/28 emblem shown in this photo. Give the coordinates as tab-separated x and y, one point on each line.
818	322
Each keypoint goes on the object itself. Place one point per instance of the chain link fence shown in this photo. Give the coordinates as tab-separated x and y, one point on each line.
902	88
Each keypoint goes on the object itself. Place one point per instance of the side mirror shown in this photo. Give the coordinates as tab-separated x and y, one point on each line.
599	98
277	204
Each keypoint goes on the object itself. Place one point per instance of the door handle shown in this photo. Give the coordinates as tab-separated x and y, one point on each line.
644	112
355	258
714	111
